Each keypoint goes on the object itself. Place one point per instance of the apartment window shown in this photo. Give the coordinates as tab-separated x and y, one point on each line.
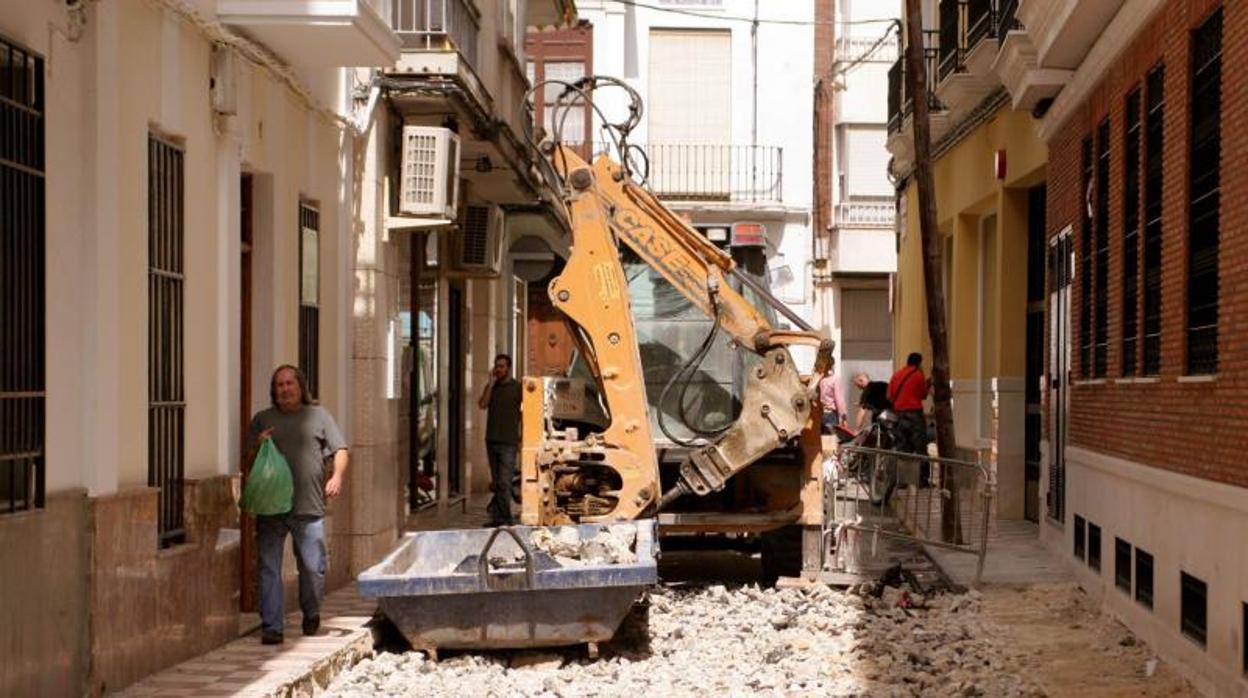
1081	543
1094	547
513	25
1204	187
166	427
1144	578
1154	139
1195	607
1101	263
22	279
310	295
1122	564
1131	235
1085	262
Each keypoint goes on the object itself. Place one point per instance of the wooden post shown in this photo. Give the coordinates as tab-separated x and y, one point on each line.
916	87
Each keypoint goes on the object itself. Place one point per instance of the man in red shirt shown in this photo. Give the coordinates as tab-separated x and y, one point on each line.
906	390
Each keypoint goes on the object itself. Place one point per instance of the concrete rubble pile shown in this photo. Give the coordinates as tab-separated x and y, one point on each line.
741	641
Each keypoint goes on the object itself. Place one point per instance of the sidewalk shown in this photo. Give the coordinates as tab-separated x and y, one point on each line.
302	665
298	666
1015	556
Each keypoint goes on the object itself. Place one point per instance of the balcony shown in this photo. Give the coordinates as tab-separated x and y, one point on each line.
960	89
437	26
1063	31
865	214
716	173
900	132
330	33
852	48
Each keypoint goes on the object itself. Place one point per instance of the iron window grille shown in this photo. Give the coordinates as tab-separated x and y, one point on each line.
23	252
1144	578
1061	270
1131	235
1122	565
1194	602
1154	166
166	349
1205	202
1085	262
1101	262
1081	543
309	296
1094	546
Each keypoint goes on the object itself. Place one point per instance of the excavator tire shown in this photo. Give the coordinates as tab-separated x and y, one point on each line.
781	554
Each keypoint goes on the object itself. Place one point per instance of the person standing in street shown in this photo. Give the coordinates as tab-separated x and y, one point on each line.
872	399
308	437
832	399
906	391
501	400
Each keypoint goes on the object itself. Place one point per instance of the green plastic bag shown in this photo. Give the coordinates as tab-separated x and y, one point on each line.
270	489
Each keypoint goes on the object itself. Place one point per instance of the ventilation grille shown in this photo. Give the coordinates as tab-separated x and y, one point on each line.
476	237
420	169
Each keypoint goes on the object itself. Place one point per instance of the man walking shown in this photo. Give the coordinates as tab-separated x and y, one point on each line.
308	437
501	400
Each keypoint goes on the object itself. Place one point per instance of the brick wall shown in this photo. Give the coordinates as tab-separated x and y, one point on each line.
1199	429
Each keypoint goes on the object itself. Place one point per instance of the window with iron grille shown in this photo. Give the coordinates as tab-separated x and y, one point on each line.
1094	546
1194	611
1081	543
1204	188
1085	262
166	446
309	296
22	264
1154	165
1122	564
1144	578
1101	263
1131	235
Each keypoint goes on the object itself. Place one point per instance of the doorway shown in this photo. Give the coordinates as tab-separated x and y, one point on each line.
455	390
1061	271
1034	374
248	574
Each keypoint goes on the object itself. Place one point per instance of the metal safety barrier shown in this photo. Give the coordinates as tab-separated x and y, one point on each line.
941	502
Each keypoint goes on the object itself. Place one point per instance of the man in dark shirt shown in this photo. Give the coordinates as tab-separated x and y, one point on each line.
308	437
501	400
872	399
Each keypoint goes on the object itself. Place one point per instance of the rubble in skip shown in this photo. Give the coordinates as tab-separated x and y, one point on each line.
868	640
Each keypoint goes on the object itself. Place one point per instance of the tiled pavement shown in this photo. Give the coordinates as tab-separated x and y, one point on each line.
301	665
244	667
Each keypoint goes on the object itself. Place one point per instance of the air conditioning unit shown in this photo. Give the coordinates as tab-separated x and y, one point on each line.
429	180
478	246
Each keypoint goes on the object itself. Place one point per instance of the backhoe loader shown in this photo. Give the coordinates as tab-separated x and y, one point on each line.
760	475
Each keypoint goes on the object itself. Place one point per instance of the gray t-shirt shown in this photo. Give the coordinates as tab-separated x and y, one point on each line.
307	438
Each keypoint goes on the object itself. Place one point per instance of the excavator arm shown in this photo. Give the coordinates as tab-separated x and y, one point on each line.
606	210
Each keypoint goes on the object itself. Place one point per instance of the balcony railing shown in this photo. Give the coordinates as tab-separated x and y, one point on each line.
853	48
714	172
981	21
865	214
952	36
437	25
1006	22
899	103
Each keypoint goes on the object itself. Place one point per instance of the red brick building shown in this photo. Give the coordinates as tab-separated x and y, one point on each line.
1147	400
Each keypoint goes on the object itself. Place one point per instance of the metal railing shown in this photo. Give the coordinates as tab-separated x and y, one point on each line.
714	172
899	103
981	21
952	37
1006	22
942	502
851	48
865	214
437	25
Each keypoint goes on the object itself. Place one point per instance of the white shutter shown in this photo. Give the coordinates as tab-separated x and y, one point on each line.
867	161
690	86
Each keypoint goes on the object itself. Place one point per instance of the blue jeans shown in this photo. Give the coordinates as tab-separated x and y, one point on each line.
502	471
308	533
